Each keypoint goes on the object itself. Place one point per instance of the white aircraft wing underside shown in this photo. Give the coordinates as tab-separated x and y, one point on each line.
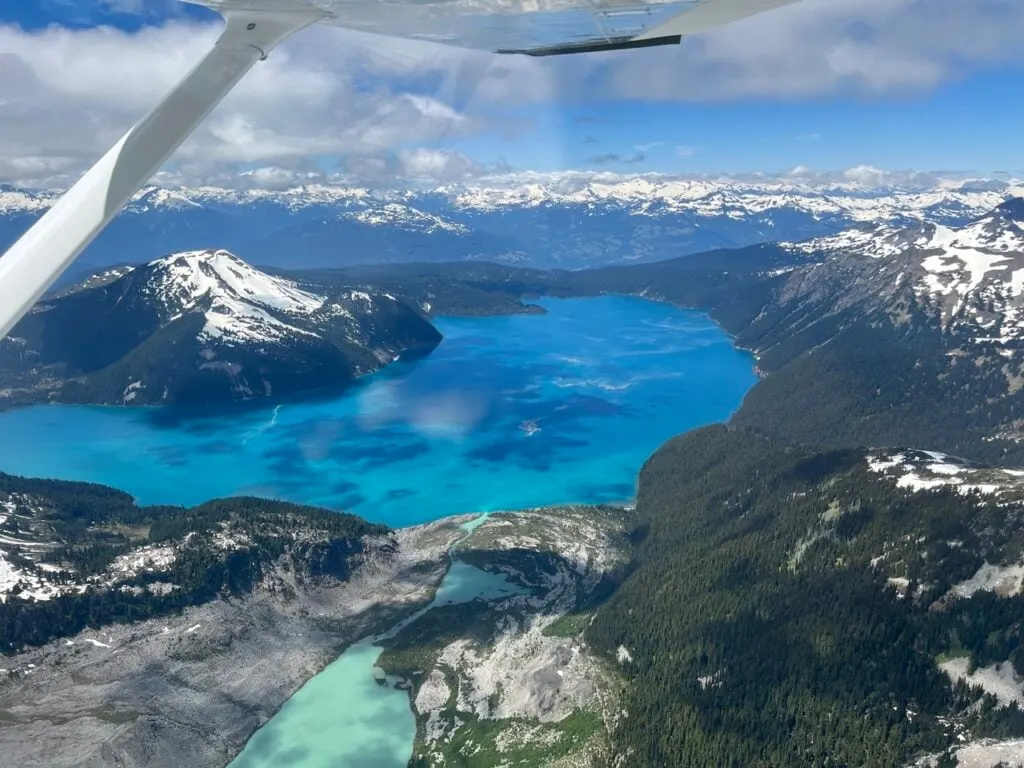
533	27
254	27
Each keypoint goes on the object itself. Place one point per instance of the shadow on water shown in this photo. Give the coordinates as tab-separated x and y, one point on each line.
381	454
610	491
202	419
540	455
476	425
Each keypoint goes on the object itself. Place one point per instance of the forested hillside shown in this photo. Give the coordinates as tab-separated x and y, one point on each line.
853	350
764	623
79	555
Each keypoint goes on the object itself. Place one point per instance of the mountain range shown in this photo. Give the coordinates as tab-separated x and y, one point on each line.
202	326
851	539
880	335
882	325
564	220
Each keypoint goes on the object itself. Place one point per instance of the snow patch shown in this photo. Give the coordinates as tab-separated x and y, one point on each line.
1004	580
150	558
242	303
406	217
927	470
997	679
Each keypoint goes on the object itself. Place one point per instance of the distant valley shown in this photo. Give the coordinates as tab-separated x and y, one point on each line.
569	221
832	577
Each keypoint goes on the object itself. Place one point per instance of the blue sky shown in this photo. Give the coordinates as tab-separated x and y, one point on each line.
863	85
81	14
975	124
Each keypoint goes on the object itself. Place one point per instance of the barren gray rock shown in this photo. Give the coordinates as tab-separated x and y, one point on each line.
190	690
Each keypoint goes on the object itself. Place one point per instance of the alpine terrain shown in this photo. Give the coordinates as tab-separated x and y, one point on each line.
833	578
570	220
201	326
898	334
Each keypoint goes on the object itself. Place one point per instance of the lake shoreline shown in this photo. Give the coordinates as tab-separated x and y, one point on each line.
513	576
194	688
600	382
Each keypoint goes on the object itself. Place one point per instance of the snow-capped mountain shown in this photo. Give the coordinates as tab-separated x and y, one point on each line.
15	201
972	276
202	326
405	217
894	334
656	195
239	304
570	220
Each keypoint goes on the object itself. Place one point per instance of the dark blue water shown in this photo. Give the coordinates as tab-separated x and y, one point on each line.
509	412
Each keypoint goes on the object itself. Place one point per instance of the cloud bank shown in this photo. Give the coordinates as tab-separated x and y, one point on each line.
67	95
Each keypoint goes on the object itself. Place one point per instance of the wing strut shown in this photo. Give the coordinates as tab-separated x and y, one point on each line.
39	257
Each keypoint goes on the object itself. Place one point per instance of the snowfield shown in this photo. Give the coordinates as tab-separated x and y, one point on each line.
242	303
925	470
973	275
409	218
649	194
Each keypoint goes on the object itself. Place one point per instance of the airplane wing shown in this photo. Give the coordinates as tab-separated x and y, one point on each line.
254	27
531	27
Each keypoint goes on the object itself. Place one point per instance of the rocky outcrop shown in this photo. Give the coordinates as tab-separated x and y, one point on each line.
191	689
494	679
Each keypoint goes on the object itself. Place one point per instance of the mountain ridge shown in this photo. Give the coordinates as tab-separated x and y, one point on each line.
838	603
202	326
568	220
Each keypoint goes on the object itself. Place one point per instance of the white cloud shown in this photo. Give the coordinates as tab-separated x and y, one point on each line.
438	164
273	177
66	95
866	175
817	47
159	9
645	148
64	103
417	165
136	7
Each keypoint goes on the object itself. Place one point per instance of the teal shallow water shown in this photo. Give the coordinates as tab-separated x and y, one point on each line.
509	412
343	717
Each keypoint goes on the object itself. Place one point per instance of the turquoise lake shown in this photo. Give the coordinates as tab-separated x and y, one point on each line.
508	412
